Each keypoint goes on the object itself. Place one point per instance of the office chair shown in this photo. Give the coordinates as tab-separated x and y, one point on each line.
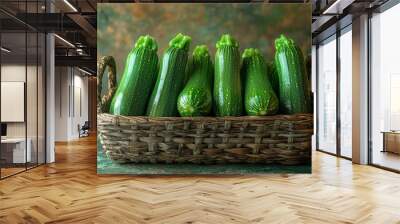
84	130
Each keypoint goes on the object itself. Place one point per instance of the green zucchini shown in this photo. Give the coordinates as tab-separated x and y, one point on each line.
273	77
170	79
196	98
308	81
259	96
303	62
188	70
137	80
293	93
227	78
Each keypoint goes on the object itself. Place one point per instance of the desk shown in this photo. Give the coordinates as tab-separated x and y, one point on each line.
16	147
391	141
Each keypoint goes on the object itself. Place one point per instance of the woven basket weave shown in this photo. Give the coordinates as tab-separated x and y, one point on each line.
283	139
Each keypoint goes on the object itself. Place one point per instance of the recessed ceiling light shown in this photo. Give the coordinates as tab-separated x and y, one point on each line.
84	71
337	7
64	40
70	5
5	50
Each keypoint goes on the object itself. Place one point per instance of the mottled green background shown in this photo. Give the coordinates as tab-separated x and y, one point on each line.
252	24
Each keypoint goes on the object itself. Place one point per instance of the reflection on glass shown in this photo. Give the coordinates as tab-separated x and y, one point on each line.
23	88
41	99
346	93
327	96
31	97
15	151
385	84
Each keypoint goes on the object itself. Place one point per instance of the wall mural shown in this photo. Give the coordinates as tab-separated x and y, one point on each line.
204	88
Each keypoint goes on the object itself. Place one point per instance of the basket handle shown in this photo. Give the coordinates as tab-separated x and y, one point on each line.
103	103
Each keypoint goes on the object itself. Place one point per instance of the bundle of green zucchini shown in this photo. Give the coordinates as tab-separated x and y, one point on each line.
193	86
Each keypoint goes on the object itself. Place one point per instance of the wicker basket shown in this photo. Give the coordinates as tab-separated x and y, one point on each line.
284	139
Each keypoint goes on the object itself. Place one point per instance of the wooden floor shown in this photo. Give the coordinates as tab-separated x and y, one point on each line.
69	191
10	171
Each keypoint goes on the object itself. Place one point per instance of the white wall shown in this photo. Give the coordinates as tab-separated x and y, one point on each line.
80	110
16	73
9	73
70	83
360	90
62	81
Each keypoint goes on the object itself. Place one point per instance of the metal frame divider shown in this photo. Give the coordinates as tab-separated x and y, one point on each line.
369	70
37	90
45	89
338	73
316	97
0	92
26	87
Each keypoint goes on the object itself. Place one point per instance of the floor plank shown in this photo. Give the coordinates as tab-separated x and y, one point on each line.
70	191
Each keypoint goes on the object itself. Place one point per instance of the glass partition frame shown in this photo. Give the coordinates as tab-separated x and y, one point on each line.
337	151
35	46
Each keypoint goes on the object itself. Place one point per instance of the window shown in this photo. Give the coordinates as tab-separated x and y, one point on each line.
327	95
345	100
385	88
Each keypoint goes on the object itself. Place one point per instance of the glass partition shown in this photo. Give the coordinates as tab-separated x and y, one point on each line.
22	88
326	88
15	152
385	89
31	97
41	96
346	92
